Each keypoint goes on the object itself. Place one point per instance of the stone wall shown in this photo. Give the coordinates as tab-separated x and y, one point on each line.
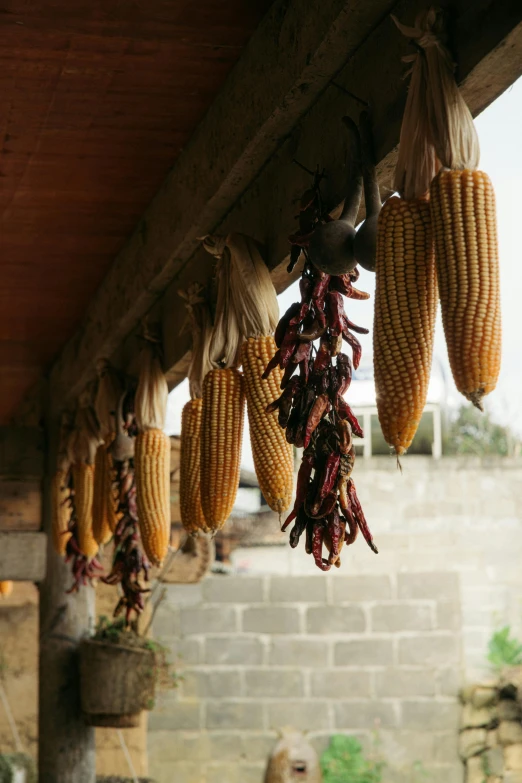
325	654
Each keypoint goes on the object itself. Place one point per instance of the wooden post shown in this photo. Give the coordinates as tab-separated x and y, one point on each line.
66	749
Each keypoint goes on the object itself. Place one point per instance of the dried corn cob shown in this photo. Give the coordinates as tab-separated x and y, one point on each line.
405	309
83	485
61	510
466	253
153	492
221	437
104	505
273	455
152	458
6	588
190	457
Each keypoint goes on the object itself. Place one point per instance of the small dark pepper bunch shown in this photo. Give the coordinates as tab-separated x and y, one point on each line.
129	562
315	415
84	569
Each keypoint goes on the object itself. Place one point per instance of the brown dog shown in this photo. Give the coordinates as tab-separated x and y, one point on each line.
293	759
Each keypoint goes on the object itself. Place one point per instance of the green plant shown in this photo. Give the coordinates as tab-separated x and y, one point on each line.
344	761
504	649
117	632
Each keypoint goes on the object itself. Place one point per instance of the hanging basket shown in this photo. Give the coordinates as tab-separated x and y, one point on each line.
116	683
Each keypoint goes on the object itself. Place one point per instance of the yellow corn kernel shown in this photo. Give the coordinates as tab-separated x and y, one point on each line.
192	515
6	588
221	438
466	253
83	485
61	510
273	455
100	506
152	470
405	310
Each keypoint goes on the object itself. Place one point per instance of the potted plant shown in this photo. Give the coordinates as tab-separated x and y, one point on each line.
119	673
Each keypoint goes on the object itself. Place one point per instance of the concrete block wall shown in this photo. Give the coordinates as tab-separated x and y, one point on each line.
324	653
460	515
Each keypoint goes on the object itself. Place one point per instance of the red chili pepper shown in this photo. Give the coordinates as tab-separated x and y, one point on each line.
304	369
355	345
298	528
359	516
335	312
342	284
319	408
305	289
303	481
321	283
359	329
284	322
322	359
287	375
346	508
301	314
303	353
343	370
345	436
272	364
333	536
317	548
354	274
329	474
356	294
309	536
345	412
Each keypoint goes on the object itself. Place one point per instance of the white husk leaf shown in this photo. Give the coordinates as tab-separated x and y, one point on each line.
107	397
246	300
150	404
451	128
253	293
417	163
225	343
86	436
199	321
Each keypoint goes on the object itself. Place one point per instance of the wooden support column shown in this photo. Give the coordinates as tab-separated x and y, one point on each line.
66	748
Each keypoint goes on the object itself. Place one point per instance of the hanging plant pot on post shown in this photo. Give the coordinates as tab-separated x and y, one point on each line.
117	683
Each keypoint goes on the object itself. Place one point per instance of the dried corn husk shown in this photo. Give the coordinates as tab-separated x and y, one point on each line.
199	321
152	393
417	162
247	302
450	124
107	396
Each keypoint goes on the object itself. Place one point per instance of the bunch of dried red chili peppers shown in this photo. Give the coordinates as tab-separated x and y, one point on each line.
315	414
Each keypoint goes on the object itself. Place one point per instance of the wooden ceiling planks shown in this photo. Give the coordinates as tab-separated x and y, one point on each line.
96	101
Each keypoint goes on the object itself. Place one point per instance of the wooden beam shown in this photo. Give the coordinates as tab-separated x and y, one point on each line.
287	63
21	452
488	45
20	504
23	556
284	99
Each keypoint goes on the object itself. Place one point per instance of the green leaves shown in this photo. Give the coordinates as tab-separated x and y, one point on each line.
504	650
344	761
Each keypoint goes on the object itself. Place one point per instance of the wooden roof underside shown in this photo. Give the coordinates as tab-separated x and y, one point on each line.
284	98
97	98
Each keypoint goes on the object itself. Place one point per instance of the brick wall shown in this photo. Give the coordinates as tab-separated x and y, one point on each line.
325	654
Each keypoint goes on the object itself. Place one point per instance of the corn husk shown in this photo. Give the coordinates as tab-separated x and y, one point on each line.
108	394
150	404
199	321
450	124
417	162
246	300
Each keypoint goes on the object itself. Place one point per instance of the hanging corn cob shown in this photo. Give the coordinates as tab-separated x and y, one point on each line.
406	289
256	312
152	457
200	323
221	437
464	222
105	501
6	588
85	443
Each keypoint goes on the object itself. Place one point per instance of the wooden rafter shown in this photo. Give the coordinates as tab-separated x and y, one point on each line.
284	98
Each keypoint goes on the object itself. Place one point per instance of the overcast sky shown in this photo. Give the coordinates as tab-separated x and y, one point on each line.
500	132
